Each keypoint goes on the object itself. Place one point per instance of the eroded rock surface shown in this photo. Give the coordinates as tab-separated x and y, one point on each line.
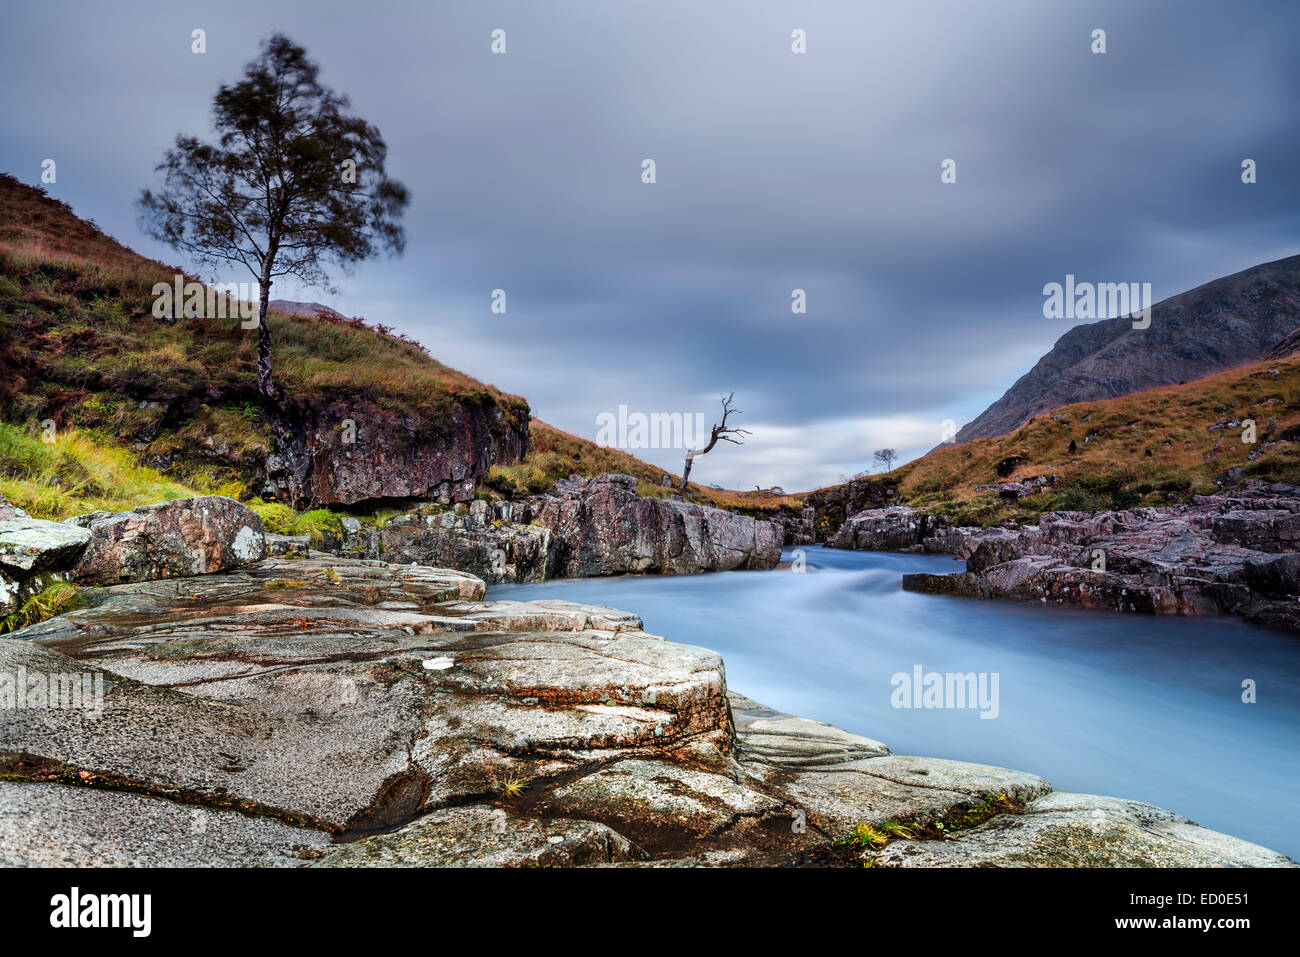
900	528
1222	554
601	527
583	528
393	714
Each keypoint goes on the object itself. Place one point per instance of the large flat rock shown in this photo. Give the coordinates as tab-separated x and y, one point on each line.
50	825
357	713
1084	830
482	836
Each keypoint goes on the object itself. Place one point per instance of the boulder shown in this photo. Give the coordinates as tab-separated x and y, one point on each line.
30	545
192	536
900	528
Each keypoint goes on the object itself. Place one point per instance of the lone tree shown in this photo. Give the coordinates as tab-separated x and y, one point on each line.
720	432
885	458
295	183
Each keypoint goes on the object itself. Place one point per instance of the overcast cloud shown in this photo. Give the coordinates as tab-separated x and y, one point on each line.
775	171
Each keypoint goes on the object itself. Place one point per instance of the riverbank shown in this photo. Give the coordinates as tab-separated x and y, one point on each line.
347	713
317	710
1232	553
1073	683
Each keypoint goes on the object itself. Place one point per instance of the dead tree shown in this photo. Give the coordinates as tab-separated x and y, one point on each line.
722	432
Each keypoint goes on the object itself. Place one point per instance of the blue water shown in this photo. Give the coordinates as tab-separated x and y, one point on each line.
1127	705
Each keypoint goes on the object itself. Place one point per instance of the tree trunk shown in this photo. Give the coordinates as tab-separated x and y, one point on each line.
265	384
686	472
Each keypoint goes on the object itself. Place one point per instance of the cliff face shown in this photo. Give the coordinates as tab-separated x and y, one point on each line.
1226	323
581	529
344	453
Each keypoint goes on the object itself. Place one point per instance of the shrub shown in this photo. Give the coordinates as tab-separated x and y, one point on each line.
56	598
276	517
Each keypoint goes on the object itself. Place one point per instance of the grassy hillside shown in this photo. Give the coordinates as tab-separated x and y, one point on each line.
79	347
76	473
1149	448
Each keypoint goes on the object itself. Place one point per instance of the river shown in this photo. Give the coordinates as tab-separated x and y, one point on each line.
1141	707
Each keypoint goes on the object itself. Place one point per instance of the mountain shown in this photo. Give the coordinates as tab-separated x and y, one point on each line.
303	310
1220	325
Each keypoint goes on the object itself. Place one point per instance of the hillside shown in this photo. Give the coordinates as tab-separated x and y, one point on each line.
1220	325
1154	447
80	348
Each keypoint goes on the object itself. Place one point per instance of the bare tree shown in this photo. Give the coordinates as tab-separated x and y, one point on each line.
720	432
885	458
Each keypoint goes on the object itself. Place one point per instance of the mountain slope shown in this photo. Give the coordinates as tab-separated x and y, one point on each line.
1220	325
81	349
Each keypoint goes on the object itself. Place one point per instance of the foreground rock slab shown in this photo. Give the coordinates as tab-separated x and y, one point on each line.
357	713
480	836
1084	830
51	825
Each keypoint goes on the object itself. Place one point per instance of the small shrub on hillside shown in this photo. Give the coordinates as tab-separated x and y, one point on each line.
318	523
277	518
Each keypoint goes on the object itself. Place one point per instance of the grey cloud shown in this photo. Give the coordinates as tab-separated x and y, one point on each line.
775	171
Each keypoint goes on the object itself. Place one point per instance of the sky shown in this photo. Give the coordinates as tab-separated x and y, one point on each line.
774	171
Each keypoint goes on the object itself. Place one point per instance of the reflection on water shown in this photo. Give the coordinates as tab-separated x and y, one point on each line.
1134	706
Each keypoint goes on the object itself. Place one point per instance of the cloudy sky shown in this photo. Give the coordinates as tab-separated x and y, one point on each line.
775	171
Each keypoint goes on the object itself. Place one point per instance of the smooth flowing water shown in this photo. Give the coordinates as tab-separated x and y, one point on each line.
1133	706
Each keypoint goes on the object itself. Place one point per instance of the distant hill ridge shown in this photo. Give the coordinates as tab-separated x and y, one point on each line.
1223	324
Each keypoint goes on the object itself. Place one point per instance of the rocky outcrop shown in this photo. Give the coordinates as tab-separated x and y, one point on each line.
1226	323
31	545
479	538
901	528
348	452
1222	554
583	529
799	528
356	713
833	506
191	536
601	527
